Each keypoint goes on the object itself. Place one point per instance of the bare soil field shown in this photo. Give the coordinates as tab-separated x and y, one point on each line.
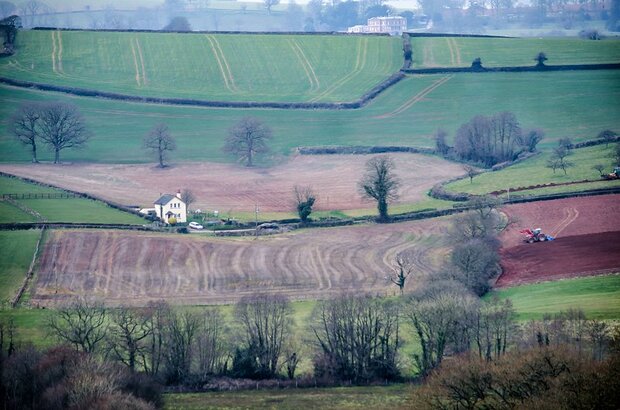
587	232
233	187
568	256
133	267
563	217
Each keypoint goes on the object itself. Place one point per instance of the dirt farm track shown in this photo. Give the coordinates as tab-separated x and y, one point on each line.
134	268
587	232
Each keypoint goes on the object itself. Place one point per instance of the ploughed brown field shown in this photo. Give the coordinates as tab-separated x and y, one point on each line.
225	187
135	267
587	232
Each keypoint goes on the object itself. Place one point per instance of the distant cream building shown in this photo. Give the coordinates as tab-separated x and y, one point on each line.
171	206
395	25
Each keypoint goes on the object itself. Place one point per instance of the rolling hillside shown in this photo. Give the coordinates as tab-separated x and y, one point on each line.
207	66
497	52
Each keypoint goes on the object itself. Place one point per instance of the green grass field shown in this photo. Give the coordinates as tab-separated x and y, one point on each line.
58	210
16	251
574	104
533	172
367	397
498	52
598	296
207	66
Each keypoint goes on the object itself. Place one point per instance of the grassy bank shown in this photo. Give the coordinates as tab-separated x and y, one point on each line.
16	251
499	52
223	67
57	210
598	296
574	104
534	172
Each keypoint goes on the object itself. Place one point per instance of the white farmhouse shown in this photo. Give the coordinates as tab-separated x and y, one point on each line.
393	25
171	206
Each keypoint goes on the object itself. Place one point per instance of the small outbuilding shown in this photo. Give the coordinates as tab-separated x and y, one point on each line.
171	206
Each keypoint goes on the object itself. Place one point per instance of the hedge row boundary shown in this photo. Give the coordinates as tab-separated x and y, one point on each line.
280	33
513	69
455	35
360	150
86	92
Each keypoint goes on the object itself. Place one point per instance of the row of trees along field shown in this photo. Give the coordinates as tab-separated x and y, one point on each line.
124	353
61	126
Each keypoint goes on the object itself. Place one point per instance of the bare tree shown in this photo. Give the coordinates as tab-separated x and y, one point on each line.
608	136
474	263
599	168
153	356
401	270
25	125
566	143
380	183
62	127
128	335
266	321
483	221
270	3
495	328
358	338
181	331
160	142
211	347
437	311
304	201
441	146
248	138
188	197
83	324
471	172
530	139
558	159
506	134
598	332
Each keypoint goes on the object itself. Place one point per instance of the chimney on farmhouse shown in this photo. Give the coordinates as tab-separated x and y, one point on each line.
179	193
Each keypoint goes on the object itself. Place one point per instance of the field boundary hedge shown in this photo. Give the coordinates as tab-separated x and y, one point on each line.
86	92
287	33
455	35
514	69
360	150
20	226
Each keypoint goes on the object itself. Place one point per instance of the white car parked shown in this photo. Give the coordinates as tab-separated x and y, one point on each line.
195	225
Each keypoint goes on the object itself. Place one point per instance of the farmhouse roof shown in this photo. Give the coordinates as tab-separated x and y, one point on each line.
165	198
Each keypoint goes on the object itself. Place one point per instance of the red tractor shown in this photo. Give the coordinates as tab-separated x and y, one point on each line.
535	235
613	175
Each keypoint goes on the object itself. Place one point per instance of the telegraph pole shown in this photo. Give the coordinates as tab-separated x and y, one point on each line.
255	221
